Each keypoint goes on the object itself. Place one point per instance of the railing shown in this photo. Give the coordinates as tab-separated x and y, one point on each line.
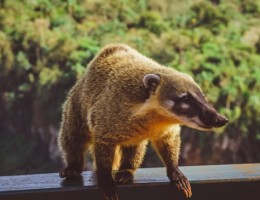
212	182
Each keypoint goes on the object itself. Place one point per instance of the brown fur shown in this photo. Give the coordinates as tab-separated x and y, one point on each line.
111	110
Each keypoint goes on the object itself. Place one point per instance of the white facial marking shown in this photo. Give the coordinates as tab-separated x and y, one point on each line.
182	95
194	95
169	103
184	106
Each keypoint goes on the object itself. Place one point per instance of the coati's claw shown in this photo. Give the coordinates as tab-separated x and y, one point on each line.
69	173
107	184
183	185
109	191
110	194
124	177
181	182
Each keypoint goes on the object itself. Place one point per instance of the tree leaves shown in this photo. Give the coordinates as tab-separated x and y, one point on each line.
45	47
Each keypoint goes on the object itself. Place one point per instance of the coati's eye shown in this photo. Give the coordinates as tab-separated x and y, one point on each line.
184	105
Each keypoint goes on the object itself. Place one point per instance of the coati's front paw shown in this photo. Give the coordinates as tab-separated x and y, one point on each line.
107	185
180	181
109	191
70	173
124	177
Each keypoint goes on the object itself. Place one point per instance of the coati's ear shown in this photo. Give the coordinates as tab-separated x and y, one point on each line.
151	81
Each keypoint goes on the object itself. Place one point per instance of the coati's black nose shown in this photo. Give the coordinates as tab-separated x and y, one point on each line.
220	121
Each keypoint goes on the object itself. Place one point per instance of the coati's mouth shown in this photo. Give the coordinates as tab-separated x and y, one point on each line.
199	125
193	122
216	122
204	127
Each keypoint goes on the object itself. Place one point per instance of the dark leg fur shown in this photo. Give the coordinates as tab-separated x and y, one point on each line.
73	140
168	149
132	157
74	156
104	157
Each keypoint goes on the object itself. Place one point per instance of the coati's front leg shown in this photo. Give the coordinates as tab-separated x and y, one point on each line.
132	157
168	147
104	157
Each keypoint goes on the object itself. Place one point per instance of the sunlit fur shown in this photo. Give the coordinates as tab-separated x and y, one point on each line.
110	112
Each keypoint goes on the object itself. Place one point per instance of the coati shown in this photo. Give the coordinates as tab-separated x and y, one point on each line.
123	100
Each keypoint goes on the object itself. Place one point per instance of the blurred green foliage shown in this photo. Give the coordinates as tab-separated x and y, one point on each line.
45	47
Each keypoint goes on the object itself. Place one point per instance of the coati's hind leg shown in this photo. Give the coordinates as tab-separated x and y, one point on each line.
168	147
73	140
132	157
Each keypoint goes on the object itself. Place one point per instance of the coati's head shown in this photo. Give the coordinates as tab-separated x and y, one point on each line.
182	99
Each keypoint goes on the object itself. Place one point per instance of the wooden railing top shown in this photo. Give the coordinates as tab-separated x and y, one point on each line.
222	181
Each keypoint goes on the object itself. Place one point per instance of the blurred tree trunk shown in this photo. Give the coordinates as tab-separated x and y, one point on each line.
2	112
215	1
202	148
2	3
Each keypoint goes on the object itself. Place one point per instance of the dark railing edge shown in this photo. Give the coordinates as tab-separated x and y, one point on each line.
234	181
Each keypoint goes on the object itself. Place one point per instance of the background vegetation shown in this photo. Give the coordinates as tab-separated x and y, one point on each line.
45	47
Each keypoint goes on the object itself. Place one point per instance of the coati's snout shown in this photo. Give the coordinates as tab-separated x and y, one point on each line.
184	100
209	116
193	110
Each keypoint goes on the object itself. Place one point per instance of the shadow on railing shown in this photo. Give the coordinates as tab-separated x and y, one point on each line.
212	182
